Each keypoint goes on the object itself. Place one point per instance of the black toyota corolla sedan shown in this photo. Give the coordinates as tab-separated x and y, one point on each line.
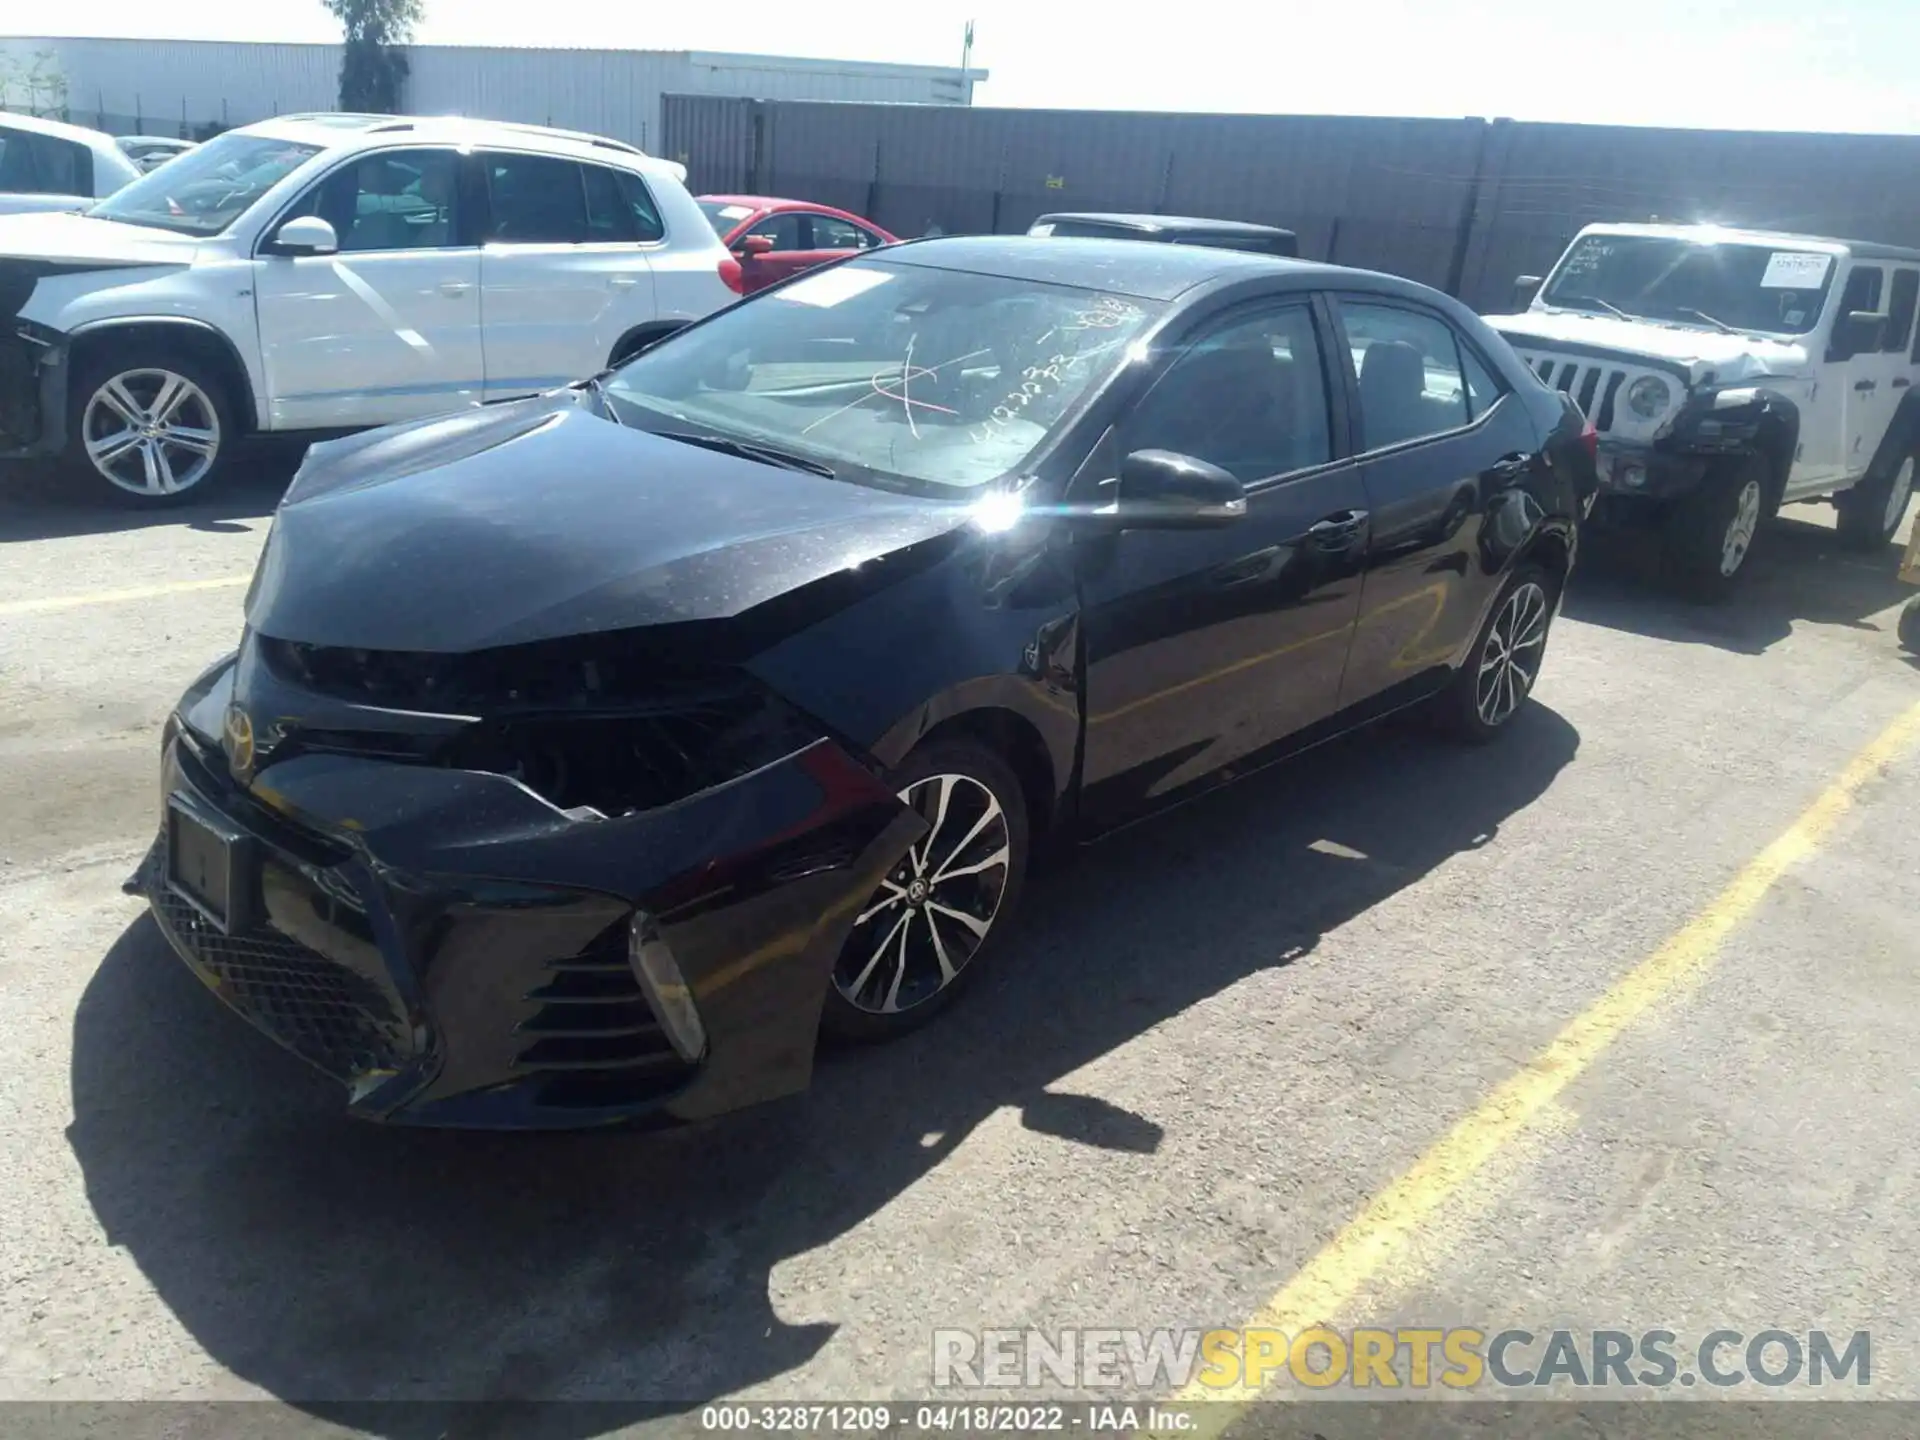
586	757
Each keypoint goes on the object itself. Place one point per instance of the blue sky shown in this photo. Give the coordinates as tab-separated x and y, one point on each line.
1763	64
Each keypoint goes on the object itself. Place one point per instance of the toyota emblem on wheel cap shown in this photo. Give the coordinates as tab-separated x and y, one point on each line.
239	729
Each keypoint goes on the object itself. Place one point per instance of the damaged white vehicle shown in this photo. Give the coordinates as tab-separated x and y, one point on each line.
1731	371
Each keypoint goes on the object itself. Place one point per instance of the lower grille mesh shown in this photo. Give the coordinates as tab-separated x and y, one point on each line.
338	1020
594	1040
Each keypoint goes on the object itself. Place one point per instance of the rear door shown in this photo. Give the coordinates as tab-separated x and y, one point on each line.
388	329
1209	648
1441	438
564	271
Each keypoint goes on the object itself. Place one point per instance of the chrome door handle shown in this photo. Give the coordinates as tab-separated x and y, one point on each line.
1510	467
1338	531
623	282
454	288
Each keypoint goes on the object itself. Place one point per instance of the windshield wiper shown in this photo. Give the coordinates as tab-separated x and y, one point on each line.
749	450
1606	305
1722	326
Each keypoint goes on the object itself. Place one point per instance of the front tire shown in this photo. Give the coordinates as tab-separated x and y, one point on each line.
1497	680
150	426
1709	539
1871	512
923	935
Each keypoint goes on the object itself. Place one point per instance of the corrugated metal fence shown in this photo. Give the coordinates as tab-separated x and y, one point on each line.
1462	204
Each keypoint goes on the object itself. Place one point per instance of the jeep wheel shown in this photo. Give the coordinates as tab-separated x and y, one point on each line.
1710	537
1871	512
154	427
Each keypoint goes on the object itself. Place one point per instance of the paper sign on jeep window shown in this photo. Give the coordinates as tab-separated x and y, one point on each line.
1789	270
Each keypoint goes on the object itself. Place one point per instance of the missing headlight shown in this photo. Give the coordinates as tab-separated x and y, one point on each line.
604	724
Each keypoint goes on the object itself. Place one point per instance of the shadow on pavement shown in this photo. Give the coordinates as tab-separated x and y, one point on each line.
1801	574
39	502
333	1263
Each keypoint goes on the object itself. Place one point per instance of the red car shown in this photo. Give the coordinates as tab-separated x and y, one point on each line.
773	239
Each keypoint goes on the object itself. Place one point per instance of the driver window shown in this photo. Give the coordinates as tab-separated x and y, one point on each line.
783	230
1249	396
393	200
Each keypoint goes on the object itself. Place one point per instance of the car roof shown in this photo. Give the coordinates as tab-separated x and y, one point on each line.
757	202
342	130
1144	269
1163	224
153	140
1735	235
59	129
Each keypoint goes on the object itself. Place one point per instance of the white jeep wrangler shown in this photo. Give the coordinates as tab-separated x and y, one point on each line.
1730	371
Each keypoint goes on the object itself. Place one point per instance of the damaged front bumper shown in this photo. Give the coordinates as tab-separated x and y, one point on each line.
457	951
33	393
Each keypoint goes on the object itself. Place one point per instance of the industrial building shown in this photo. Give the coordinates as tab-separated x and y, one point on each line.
192	87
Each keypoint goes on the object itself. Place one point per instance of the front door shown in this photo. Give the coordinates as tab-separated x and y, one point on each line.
1865	381
562	274
1210	649
389	328
1439	448
786	230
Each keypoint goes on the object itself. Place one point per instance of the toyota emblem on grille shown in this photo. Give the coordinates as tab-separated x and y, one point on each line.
239	729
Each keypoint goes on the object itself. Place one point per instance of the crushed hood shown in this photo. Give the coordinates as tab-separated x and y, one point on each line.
1728	356
542	519
77	240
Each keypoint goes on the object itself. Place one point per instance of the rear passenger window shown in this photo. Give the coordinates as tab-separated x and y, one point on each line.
1408	369
646	214
609	217
1900	306
44	165
536	200
1249	396
1484	388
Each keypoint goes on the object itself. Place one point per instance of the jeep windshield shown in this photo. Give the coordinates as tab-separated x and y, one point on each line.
900	376
1773	289
205	190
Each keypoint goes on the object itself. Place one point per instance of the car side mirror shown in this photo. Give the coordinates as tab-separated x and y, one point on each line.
1161	490
1524	288
306	235
754	246
1857	333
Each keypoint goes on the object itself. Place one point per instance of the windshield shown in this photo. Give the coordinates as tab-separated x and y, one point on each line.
724	215
898	375
204	190
1769	288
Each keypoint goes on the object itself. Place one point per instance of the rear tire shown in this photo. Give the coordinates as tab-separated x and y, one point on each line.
150	426
1871	512
1709	539
1497	679
924	934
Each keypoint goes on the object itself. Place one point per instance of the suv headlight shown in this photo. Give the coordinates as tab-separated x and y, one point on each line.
1649	396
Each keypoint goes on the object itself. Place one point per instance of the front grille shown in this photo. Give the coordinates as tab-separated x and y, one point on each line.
594	1040
331	1016
1593	384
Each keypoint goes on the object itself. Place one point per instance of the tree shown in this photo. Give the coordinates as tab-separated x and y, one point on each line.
373	67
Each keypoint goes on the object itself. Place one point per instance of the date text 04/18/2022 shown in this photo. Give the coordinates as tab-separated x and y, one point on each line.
955	1418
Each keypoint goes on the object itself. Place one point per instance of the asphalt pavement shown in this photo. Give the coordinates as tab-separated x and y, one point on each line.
1608	1026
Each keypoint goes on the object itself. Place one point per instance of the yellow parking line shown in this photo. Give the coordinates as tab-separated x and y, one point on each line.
44	604
1380	1232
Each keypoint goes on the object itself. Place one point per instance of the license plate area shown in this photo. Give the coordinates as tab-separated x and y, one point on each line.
210	865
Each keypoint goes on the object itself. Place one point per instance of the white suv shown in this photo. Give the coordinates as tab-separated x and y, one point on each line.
320	273
1731	371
